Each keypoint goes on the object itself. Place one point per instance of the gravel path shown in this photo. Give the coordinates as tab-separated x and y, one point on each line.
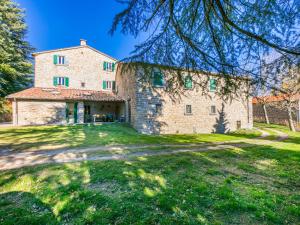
13	160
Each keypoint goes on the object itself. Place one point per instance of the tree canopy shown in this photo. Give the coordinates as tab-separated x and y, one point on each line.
15	65
231	37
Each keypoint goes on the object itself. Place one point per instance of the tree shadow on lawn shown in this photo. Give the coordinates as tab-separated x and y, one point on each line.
253	185
24	208
58	137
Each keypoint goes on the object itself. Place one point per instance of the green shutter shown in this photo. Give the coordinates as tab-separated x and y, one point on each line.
67	112
55	81
188	82
104	85
114	85
75	112
212	84
67	81
104	65
158	79
55	59
113	67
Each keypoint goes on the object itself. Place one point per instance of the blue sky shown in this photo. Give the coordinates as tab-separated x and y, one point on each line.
61	23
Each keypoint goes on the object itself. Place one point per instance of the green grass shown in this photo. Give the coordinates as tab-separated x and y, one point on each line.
55	137
259	184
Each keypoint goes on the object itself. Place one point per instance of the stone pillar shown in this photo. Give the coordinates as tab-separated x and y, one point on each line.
15	112
80	112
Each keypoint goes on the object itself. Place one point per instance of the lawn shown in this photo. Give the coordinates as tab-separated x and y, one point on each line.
55	137
252	185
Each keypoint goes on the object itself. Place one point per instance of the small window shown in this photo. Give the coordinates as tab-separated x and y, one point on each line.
82	84
158	79
213	110
188	82
59	60
108	66
61	81
188	109
158	109
212	85
109	85
238	125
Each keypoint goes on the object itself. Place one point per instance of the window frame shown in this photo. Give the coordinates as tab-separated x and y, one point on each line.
161	74
186	111
211	111
61	81
61	60
212	85
158	109
109	66
185	79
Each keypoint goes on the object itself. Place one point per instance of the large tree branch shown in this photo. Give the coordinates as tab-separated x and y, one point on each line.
250	34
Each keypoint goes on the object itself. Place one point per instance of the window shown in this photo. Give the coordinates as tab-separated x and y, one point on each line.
59	60
108	85
188	109
158	79
238	125
82	84
188	82
158	109
212	85
62	81
108	66
213	110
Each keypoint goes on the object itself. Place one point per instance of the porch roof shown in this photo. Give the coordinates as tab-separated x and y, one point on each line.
38	93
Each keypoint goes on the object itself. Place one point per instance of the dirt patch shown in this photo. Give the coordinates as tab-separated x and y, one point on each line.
110	188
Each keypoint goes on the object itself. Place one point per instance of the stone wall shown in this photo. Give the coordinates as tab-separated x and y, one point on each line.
173	119
83	65
38	112
126	87
277	115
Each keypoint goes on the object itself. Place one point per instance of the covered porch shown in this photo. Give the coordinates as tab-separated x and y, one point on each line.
95	111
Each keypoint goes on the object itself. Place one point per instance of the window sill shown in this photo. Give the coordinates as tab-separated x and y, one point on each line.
188	114
212	114
158	86
61	64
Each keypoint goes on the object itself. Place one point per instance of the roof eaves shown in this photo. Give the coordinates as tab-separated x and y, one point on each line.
70	48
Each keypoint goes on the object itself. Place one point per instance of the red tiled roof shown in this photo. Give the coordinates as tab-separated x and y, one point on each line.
37	93
271	98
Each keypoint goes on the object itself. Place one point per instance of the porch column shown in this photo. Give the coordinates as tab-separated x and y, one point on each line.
15	112
80	112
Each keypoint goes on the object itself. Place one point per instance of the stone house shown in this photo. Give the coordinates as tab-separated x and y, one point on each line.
152	109
82	85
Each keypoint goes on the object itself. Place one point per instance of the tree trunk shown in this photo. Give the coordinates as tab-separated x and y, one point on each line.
266	114
290	118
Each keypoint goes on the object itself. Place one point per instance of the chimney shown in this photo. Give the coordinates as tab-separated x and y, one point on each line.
83	42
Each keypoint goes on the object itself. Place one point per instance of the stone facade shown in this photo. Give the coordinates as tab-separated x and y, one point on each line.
38	112
84	65
172	118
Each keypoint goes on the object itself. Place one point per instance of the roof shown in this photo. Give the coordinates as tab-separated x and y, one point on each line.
271	98
175	68
75	47
38	93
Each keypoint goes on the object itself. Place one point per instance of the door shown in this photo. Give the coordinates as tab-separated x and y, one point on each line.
87	114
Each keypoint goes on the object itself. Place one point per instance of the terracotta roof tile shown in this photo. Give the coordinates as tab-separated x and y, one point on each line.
38	93
271	98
